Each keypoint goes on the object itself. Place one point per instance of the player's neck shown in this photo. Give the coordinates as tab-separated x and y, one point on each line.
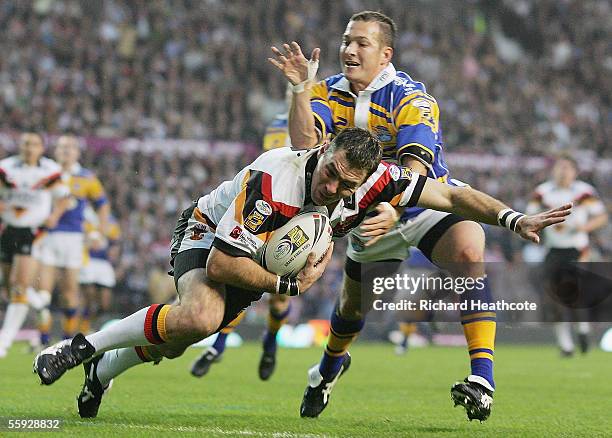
357	86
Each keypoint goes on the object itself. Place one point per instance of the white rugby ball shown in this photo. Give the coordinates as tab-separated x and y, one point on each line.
287	250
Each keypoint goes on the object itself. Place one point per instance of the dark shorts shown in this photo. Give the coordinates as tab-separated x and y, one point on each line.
16	241
236	299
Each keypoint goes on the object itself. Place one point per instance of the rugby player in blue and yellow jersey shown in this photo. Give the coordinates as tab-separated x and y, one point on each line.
371	94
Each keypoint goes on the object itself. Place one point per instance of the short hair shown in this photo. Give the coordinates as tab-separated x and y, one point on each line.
386	24
362	149
566	156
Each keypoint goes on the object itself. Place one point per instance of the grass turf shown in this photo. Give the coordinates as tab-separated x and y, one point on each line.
538	394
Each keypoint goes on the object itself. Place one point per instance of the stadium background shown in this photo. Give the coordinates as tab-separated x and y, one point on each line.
172	97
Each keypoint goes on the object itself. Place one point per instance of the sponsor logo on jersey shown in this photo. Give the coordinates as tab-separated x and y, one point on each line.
197	230
254	220
236	232
406	173
263	207
395	172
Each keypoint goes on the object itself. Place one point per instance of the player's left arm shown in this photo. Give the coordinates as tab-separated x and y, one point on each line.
598	216
97	197
472	204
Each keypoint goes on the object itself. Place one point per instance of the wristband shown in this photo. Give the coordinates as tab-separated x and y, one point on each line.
287	286
509	218
294	287
313	66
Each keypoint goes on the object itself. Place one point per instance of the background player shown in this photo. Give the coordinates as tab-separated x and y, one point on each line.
62	248
97	277
568	242
33	199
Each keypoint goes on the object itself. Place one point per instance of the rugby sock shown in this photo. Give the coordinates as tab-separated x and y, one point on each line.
584	328
70	322
341	334
44	325
117	361
275	322
85	323
563	330
145	327
16	313
479	330
221	340
407	328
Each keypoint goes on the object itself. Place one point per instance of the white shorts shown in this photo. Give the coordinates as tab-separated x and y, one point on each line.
395	244
61	249
98	271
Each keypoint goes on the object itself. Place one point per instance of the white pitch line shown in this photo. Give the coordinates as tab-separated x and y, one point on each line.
215	430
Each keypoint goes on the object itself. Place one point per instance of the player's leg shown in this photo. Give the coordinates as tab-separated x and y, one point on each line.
348	316
213	354
71	300
459	248
346	322
46	282
406	328
20	276
279	308
88	306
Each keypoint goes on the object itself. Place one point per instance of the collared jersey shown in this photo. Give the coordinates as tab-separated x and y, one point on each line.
85	187
398	109
29	190
277	133
266	194
586	204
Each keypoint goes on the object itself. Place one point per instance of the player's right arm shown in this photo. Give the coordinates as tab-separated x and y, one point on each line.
298	70
472	204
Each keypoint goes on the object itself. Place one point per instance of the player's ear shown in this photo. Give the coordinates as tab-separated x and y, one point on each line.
325	143
387	54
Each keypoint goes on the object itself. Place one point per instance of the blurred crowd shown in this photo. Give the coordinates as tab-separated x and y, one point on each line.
515	78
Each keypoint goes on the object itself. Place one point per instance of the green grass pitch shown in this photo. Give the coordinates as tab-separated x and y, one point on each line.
538	394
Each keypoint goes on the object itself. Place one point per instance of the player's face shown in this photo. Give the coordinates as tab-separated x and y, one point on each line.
362	53
31	148
333	179
67	150
564	172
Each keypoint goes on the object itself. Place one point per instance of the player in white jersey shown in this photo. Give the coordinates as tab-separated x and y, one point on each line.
568	242
217	246
61	249
33	198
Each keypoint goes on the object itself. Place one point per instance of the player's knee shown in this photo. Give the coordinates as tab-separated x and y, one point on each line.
201	322
470	254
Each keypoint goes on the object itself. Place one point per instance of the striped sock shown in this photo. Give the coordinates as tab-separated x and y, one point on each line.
479	330
341	335
45	320
117	361
275	322
85	323
145	327
70	322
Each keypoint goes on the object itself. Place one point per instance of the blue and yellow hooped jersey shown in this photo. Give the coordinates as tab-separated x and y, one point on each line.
394	107
85	188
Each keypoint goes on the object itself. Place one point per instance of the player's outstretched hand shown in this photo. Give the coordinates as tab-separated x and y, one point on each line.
530	226
381	224
314	269
292	62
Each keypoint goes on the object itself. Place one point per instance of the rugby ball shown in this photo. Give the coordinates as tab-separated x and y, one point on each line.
287	250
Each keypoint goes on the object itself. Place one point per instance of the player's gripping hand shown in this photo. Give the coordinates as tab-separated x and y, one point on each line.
529	226
379	225
293	63
314	269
